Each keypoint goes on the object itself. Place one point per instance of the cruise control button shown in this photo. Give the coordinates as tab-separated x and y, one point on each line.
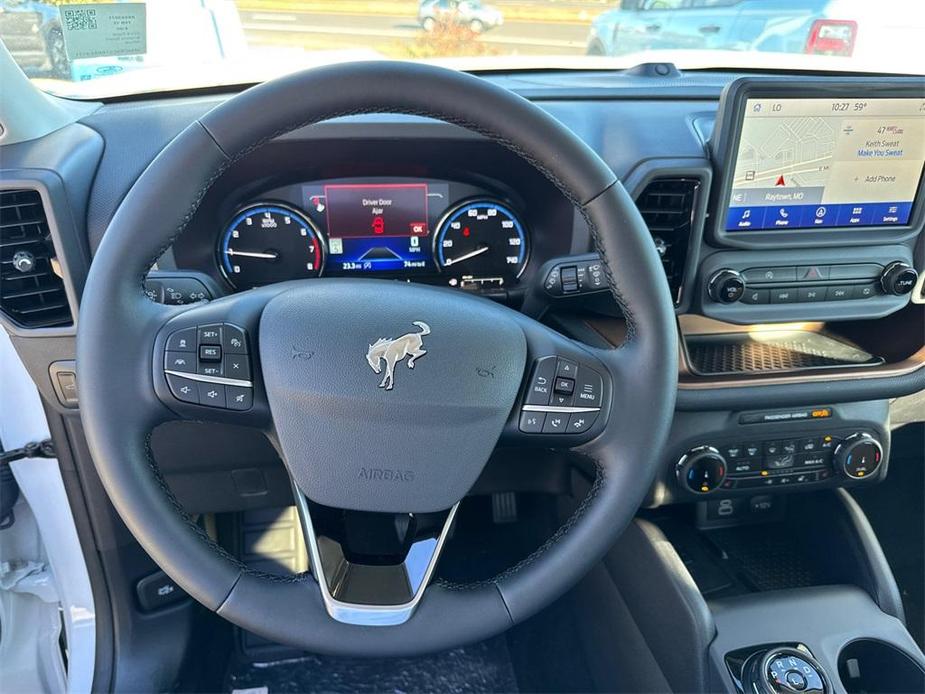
212	394
210	353
555	423
532	422
239	397
183	389
180	361
540	388
182	341
209	369
580	422
210	334
234	340
237	366
589	388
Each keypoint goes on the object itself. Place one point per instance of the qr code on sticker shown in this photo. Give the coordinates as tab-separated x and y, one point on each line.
79	19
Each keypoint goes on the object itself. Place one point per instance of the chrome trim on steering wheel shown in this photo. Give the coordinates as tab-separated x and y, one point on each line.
419	565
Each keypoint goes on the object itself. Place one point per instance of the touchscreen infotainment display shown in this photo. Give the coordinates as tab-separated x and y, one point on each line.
818	163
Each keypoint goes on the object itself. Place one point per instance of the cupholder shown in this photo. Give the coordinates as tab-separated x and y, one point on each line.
867	665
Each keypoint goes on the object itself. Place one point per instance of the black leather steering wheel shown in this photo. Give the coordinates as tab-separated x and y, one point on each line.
347	443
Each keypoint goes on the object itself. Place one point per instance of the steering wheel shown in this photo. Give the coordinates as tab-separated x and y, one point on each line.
406	441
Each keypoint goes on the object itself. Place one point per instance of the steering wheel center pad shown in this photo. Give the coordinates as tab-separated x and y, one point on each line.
409	427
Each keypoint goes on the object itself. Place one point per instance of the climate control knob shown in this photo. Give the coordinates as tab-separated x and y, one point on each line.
726	286
898	278
701	470
858	456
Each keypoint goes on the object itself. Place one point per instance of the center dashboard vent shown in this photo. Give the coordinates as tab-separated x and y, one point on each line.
31	293
667	206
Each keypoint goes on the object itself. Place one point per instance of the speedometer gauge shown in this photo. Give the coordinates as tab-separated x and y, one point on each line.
481	242
268	243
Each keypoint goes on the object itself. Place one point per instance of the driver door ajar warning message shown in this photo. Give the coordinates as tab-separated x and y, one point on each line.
104	30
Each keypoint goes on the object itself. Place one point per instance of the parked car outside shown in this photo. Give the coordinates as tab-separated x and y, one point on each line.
32	33
471	13
820	27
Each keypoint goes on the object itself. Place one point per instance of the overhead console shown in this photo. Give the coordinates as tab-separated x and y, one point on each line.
818	201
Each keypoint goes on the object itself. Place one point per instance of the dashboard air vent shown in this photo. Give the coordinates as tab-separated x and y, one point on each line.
31	293
667	206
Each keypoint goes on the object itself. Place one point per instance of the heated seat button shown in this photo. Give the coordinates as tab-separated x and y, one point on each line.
589	388
236	366
212	394
182	341
540	387
183	389
184	362
234	340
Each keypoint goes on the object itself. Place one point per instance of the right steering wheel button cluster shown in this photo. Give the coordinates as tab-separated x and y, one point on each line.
563	397
209	365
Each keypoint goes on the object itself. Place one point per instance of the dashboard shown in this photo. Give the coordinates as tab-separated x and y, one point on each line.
787	214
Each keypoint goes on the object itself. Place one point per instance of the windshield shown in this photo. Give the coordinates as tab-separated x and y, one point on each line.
99	49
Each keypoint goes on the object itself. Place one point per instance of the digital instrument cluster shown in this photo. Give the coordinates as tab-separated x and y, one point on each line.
427	230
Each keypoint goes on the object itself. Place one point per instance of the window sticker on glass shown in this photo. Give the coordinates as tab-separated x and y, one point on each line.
101	30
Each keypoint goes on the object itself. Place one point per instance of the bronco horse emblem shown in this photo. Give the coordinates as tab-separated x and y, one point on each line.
394	351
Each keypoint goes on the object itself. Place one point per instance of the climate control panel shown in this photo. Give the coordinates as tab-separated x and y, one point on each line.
779	462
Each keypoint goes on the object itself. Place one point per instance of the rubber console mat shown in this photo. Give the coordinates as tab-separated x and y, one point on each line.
482	667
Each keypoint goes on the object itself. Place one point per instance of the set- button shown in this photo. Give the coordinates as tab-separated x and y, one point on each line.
209	365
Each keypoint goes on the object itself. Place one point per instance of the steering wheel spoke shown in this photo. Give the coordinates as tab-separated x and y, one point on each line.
565	397
372	569
206	363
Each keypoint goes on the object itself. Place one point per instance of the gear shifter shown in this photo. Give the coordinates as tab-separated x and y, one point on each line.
783	670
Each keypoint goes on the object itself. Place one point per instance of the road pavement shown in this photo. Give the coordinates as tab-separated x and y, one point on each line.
333	30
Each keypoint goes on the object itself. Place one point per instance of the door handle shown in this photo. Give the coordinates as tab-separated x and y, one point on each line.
651	28
710	29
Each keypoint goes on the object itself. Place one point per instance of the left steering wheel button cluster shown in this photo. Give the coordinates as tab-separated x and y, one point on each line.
209	365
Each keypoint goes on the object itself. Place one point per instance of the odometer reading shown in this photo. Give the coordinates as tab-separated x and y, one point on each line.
481	242
264	244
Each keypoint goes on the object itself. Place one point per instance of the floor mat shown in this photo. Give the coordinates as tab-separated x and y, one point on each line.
482	667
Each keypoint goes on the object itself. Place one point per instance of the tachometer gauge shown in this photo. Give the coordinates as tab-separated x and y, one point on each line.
267	243
481	242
